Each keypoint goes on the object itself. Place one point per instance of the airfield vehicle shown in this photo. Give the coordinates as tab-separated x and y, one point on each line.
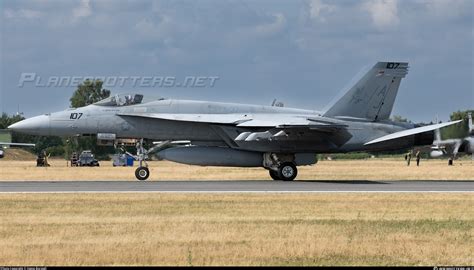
86	158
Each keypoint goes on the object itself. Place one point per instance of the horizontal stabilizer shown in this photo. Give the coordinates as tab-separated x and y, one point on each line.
411	132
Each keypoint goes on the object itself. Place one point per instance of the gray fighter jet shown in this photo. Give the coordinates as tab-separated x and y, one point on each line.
225	134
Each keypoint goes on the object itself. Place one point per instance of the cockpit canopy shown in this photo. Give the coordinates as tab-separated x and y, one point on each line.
121	100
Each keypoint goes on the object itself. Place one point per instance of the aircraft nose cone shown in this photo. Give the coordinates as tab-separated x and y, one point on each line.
38	125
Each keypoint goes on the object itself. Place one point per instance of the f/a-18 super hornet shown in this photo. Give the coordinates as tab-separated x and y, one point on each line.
452	147
225	134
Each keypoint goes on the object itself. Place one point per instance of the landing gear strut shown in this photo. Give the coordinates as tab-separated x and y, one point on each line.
142	172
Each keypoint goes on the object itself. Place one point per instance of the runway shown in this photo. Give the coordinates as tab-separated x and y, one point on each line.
247	186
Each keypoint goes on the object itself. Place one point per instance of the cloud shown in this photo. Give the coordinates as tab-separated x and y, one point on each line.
150	28
384	13
83	10
271	28
292	50
319	10
22	14
449	9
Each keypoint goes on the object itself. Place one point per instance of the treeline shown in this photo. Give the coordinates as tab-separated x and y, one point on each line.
457	131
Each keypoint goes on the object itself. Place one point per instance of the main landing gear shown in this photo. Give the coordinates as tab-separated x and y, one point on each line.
287	171
281	167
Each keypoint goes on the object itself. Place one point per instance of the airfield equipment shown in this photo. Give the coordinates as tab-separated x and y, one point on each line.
74	159
86	158
122	160
226	134
42	160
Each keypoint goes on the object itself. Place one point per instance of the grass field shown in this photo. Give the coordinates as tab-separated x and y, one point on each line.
238	229
372	169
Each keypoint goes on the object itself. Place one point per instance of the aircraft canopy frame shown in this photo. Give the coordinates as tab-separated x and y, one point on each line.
120	100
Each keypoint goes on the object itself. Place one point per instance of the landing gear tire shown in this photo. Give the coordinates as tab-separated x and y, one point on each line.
274	175
287	171
142	173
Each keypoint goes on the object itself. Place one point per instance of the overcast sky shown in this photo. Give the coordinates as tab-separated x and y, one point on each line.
300	52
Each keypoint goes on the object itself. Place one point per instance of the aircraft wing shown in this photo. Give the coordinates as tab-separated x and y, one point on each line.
201	118
410	132
17	144
281	121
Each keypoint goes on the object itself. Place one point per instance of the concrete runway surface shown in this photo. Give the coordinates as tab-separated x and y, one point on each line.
248	186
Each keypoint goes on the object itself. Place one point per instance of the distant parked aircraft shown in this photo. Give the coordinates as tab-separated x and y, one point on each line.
452	147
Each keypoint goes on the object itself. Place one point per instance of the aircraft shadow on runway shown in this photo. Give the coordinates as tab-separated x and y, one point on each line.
355	182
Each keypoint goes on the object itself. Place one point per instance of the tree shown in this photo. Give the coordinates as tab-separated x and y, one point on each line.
457	131
6	120
458	115
87	93
398	118
52	144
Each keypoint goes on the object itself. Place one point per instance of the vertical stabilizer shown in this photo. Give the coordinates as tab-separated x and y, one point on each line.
373	95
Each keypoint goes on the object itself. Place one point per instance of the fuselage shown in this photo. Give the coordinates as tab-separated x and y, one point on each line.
94	119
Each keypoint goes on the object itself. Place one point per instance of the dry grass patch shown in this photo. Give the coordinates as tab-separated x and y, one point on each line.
373	169
239	229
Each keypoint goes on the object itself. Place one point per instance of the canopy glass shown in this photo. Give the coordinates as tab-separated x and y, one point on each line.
121	100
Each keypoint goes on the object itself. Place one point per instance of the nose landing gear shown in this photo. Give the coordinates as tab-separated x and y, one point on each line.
142	172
